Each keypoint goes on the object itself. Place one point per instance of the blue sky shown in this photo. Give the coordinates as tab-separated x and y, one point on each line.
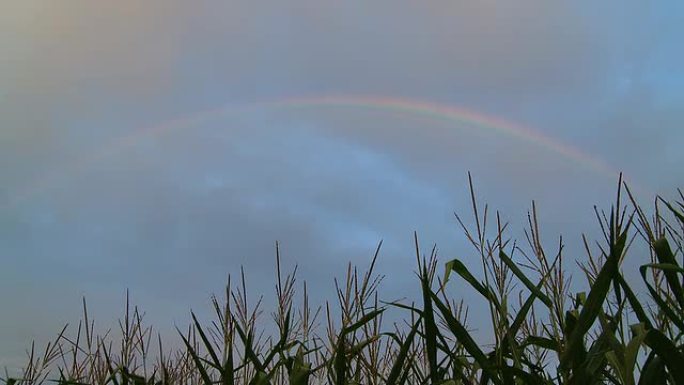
169	216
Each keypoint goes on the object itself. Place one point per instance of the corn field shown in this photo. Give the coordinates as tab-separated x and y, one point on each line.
617	332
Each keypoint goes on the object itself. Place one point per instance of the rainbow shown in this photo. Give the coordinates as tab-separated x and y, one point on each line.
462	117
451	114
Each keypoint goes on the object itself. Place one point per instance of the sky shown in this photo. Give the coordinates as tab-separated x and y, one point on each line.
158	146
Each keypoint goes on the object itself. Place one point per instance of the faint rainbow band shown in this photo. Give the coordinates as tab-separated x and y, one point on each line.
437	111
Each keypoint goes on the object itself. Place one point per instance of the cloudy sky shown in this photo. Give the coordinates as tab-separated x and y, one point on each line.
160	145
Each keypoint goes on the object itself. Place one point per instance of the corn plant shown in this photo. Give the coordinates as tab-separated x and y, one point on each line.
543	330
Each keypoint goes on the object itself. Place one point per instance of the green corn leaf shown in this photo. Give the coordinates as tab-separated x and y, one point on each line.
340	362
542	342
525	377
282	342
464	338
518	320
249	352
593	364
593	305
405	307
299	371
632	352
228	372
356	349
261	378
674	211
665	256
633	301
207	344
198	362
362	321
536	289
662	303
110	368
671	356
400	360
653	371
457	266
430	326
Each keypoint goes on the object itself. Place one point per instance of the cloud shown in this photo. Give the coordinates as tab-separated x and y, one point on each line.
445	47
